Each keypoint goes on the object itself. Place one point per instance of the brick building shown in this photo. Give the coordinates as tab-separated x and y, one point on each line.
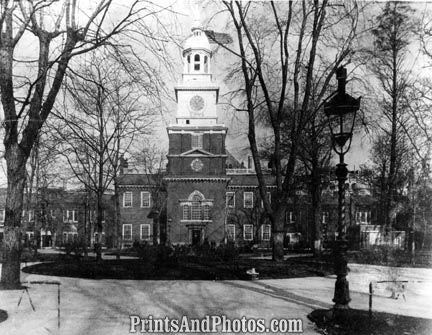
205	194
53	217
203	184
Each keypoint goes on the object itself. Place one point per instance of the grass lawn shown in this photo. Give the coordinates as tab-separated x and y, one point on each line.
354	321
187	268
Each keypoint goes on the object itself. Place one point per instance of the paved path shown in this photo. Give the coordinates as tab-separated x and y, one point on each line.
103	306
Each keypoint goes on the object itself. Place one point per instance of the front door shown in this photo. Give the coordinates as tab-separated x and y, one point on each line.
196	236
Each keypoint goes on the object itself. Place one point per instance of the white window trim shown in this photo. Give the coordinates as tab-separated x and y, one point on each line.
123	231
244	199
186	210
291	217
149	199
262	232
227	199
325	217
149	230
74	215
124	199
31	215
4	215
244	232
368	214
234	230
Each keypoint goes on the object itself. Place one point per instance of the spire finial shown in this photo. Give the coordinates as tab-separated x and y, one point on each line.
196	13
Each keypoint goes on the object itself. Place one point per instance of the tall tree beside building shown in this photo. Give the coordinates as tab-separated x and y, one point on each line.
38	40
285	76
394	28
102	115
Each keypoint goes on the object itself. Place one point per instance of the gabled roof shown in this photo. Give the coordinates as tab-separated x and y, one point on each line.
196	151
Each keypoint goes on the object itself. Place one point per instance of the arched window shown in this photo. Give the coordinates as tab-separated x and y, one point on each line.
197	62
196	207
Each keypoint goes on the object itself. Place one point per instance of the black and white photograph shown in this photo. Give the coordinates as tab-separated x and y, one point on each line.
215	167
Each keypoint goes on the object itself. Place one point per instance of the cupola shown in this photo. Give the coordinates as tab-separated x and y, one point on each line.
197	53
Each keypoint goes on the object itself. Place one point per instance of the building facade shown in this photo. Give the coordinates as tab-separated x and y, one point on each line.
55	217
203	185
205	195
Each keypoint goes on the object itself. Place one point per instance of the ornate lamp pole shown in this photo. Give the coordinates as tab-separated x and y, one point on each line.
341	112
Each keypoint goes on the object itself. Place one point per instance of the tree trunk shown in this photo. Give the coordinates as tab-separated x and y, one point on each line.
98	242
316	217
15	160
278	233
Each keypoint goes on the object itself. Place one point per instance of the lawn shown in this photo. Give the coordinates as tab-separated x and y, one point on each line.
186	268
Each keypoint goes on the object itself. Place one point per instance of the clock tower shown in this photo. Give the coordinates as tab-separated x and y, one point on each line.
196	176
197	140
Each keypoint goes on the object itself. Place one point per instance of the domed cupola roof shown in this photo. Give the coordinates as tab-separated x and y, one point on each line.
197	41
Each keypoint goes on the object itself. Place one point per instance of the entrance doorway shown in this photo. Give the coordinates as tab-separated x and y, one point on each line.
196	236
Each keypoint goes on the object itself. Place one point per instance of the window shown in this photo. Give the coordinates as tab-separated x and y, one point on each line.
205	64
127	199
266	232
70	215
206	212
324	217
31	215
197	62
127	232
145	231
197	141
145	199
363	217
248	200
247	232
290	217
230	199
196	208
2	215
185	212
52	213
249	162
231	232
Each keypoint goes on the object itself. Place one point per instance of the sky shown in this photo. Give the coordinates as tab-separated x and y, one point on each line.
188	12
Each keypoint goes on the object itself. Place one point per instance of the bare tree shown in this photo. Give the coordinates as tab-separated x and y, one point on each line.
107	116
283	78
391	47
31	78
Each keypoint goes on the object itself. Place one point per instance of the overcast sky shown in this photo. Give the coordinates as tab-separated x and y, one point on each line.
187	14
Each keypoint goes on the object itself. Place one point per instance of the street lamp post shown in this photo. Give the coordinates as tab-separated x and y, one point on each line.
341	111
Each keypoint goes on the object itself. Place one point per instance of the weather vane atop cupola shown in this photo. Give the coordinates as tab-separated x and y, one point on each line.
195	9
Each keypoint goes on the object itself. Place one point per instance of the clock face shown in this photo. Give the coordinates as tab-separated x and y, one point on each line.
196	103
197	165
